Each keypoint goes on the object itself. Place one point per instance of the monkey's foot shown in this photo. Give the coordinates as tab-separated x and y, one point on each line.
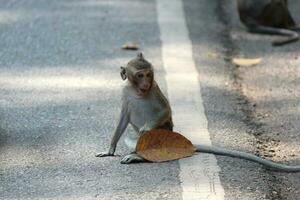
132	158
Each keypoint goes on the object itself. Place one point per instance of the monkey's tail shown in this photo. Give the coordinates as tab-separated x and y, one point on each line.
293	35
247	156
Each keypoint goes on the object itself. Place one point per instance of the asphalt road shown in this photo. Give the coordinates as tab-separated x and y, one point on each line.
60	98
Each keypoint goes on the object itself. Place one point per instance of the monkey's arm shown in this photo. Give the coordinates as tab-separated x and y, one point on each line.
122	125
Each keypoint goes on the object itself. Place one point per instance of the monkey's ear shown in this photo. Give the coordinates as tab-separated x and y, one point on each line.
140	56
123	73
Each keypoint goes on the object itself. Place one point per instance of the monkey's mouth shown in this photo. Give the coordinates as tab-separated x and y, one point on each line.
143	90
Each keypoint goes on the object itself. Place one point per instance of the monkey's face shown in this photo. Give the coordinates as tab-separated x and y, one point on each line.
143	81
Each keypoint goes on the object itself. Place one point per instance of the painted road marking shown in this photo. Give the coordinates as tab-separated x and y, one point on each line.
199	175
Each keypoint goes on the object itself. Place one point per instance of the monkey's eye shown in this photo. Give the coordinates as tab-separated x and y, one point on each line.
140	75
148	75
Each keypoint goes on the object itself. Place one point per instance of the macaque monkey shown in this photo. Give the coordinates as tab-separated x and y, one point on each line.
268	17
145	108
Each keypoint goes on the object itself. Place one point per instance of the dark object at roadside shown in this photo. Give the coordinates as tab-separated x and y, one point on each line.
268	17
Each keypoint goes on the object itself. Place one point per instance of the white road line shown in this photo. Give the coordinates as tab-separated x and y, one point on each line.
199	174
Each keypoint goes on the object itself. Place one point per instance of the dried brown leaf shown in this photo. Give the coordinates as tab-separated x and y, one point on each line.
130	46
246	61
160	145
213	55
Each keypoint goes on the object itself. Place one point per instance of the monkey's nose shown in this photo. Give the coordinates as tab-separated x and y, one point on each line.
145	86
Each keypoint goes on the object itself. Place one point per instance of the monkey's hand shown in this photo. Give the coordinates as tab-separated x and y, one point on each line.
104	154
111	152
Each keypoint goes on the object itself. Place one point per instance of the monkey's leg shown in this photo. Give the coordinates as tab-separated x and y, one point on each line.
132	158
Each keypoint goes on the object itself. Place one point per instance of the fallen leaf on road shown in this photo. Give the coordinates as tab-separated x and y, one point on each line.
160	145
130	46
213	55
246	61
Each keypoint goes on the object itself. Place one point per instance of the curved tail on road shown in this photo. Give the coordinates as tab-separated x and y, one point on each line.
247	156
